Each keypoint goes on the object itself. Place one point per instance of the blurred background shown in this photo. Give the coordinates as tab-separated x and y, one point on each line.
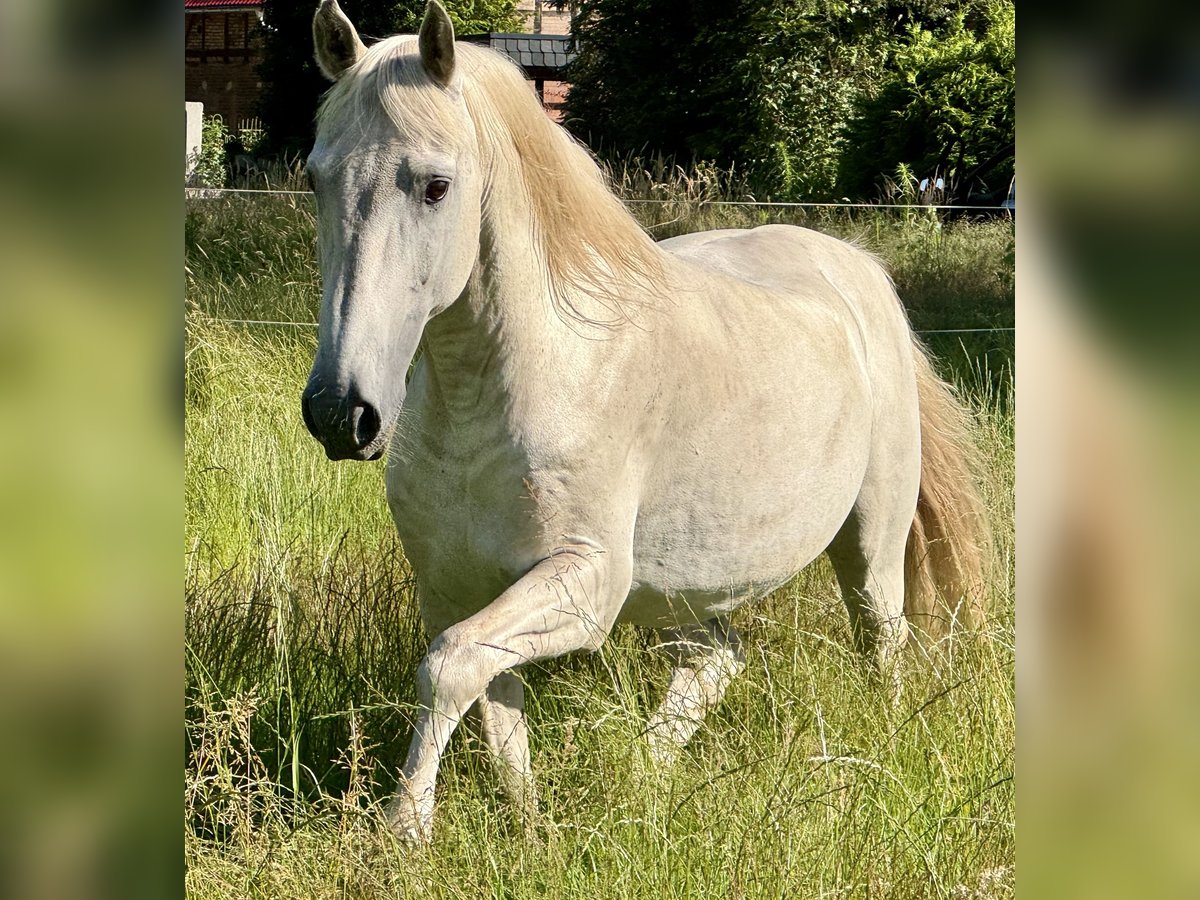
1107	449
90	479
90	483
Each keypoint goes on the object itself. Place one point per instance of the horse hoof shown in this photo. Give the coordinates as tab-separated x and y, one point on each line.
409	827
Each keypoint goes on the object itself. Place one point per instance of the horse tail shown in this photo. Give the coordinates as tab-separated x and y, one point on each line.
948	554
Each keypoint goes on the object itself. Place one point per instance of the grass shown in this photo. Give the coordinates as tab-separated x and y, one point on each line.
302	638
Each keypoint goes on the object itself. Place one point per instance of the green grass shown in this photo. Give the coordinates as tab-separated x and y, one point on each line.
302	639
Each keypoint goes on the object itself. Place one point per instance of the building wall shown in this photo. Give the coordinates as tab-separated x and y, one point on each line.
553	21
223	50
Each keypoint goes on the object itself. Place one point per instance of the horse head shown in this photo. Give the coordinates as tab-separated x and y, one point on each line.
395	173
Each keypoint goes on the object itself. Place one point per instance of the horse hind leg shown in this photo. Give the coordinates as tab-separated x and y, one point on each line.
707	656
868	557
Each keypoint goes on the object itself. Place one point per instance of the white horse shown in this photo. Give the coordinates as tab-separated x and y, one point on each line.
600	428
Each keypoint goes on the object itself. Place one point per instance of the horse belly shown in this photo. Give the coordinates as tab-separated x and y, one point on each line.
738	516
701	571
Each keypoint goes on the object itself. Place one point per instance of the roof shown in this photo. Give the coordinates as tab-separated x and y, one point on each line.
540	55
222	4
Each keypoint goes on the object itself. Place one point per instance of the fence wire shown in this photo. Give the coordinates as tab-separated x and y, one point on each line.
198	193
205	193
314	325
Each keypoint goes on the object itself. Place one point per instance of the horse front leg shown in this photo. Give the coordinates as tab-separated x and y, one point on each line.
568	601
506	735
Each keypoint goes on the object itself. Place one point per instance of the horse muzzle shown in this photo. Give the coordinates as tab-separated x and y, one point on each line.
346	425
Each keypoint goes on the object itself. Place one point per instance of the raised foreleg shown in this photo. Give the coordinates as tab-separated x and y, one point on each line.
708	655
566	602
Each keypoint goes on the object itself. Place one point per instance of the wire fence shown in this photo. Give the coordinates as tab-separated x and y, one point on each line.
314	325
204	193
209	193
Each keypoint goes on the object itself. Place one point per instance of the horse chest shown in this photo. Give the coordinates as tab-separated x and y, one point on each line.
466	517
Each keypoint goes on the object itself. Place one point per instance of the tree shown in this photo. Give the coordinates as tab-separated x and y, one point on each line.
946	108
292	83
764	86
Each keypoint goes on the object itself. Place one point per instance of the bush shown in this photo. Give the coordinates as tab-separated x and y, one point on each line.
763	86
211	169
945	109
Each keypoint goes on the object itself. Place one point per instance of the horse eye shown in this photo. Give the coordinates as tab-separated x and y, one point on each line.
436	190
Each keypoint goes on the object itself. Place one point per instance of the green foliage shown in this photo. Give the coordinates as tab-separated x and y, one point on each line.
251	139
211	170
945	108
763	86
293	83
468	16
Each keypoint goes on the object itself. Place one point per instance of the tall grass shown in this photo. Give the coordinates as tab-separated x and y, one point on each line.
951	273
302	638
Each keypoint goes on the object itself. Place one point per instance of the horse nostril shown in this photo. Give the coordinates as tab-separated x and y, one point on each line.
364	421
306	412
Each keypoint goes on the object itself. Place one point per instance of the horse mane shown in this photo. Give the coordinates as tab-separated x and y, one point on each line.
591	246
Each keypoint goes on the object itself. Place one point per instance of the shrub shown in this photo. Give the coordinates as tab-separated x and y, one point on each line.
945	109
211	170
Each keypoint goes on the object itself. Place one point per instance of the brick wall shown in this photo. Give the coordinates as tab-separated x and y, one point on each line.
223	50
553	21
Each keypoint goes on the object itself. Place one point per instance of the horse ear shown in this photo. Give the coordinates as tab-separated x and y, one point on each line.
336	42
437	43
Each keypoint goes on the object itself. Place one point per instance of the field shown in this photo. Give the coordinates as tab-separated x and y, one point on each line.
302	639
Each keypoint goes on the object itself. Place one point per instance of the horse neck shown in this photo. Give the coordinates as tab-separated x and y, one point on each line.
487	345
